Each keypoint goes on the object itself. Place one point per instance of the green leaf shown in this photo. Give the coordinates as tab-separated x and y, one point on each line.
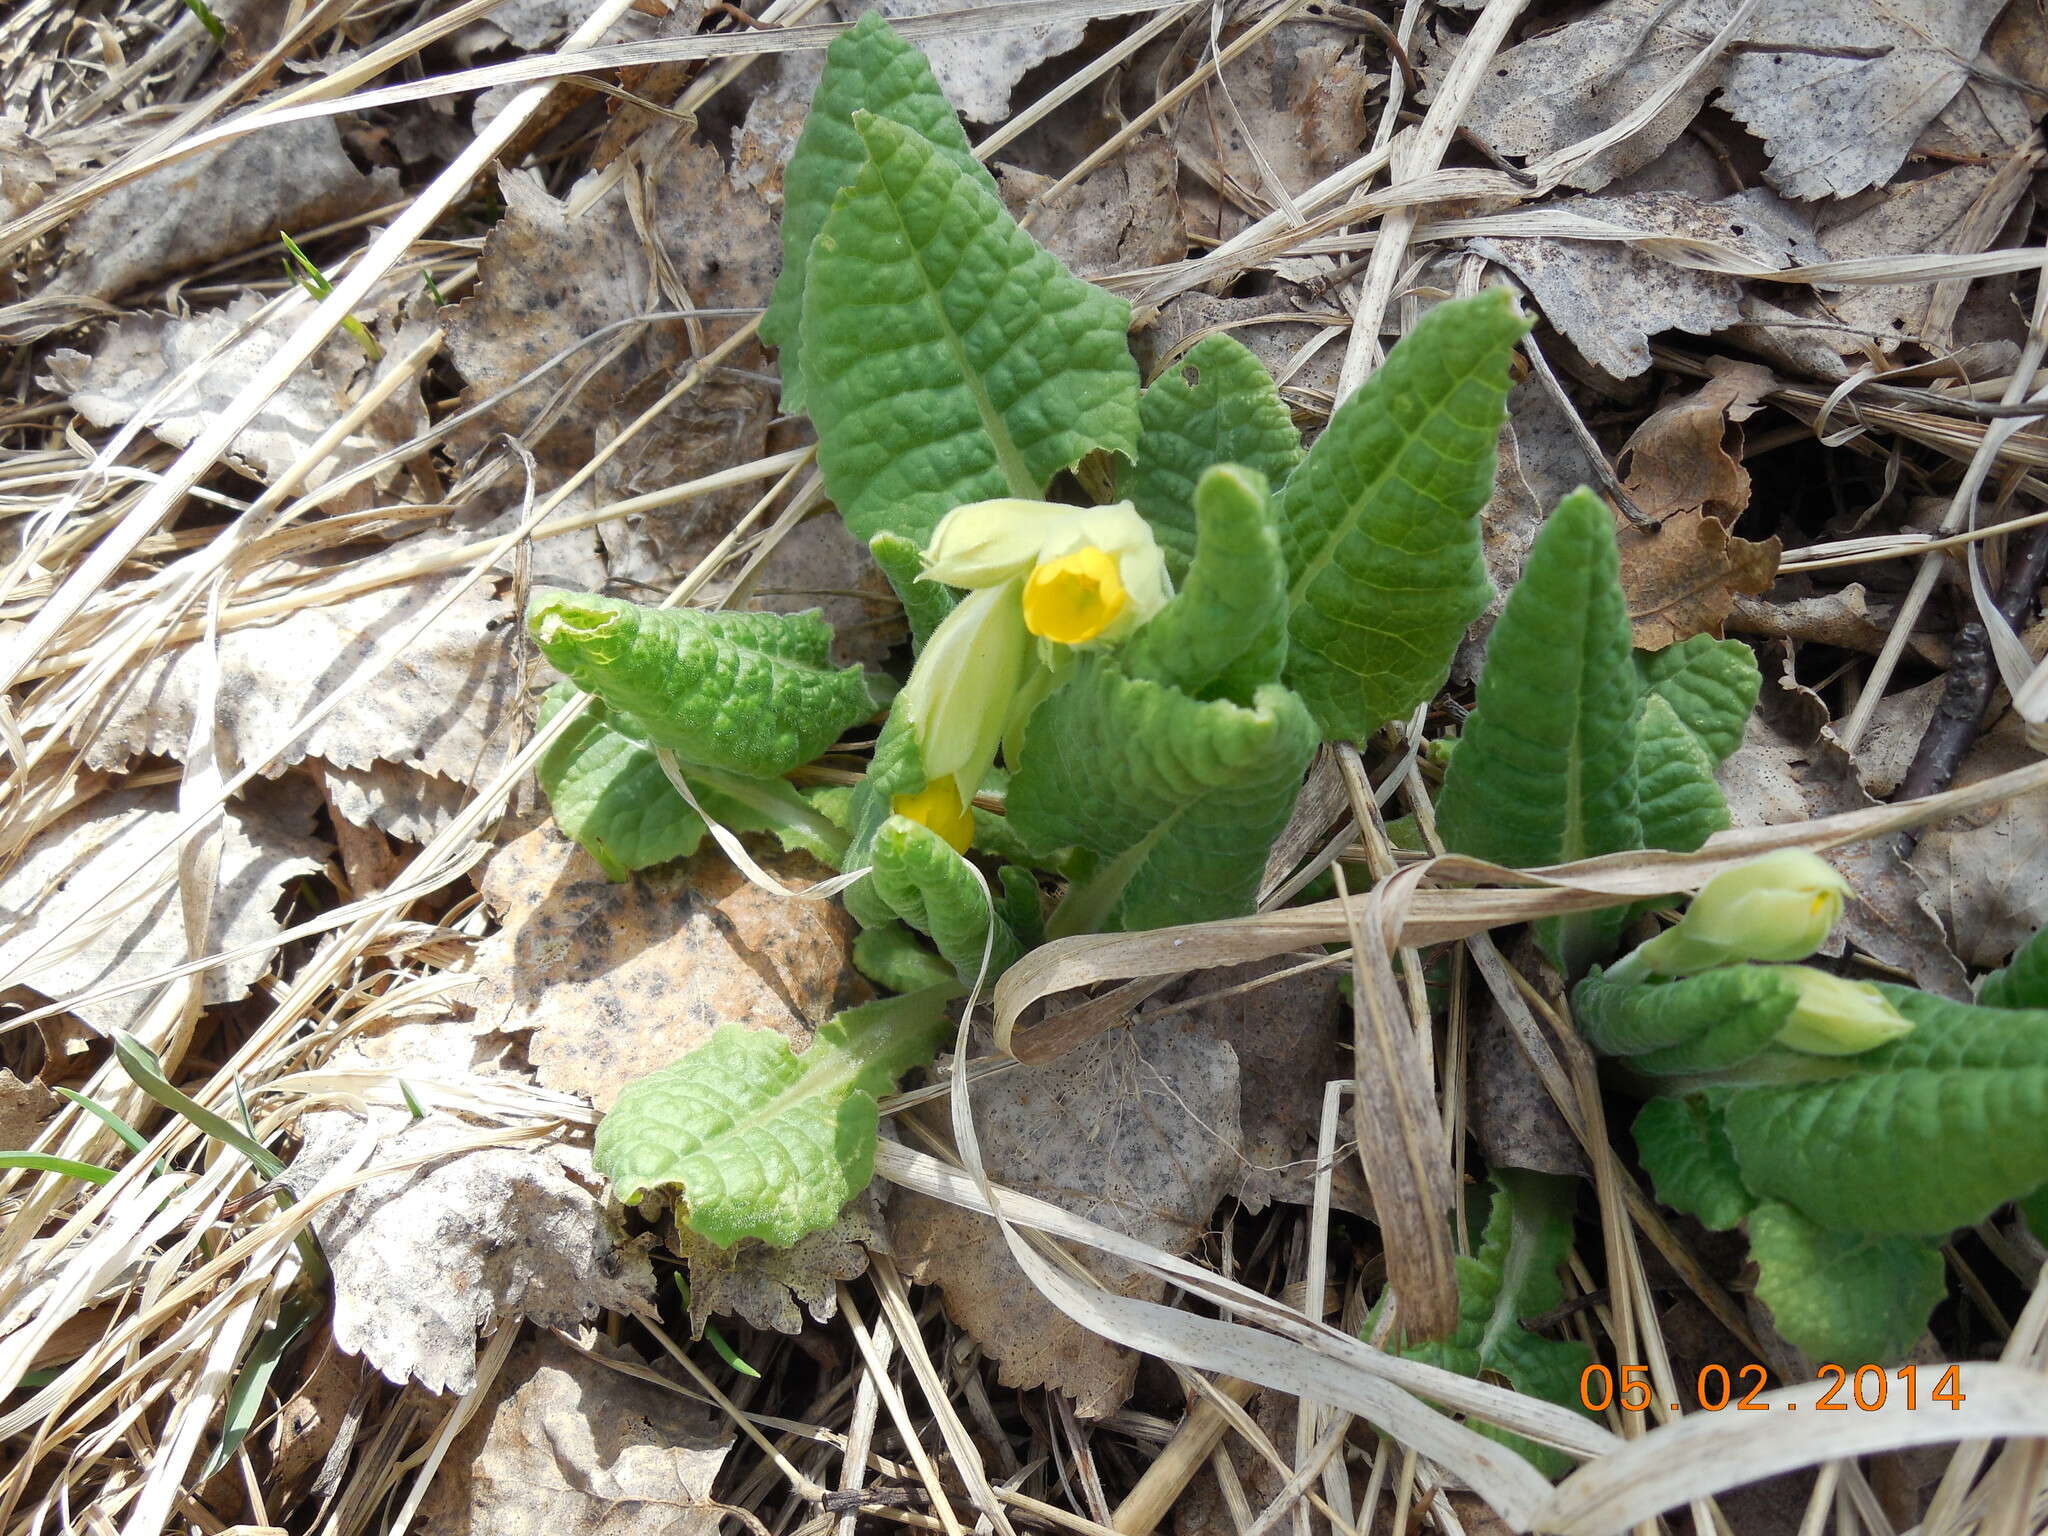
1513	1276
1178	799
1711	685
762	1142
2034	1212
1545	770
2023	983
948	358
754	693
1705	1023
933	889
1380	522
1928	1133
1684	1147
1678	799
892	956
1217	405
1225	635
867	69
1844	1299
47	1162
925	603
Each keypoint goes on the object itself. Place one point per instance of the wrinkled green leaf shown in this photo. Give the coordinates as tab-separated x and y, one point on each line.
759	1141
1217	405
867	69
948	358
1545	769
1513	1275
892	956
1380	522
1843	1298
2023	983
1178	800
1705	1023
1225	635
1685	1150
1678	800
1928	1133
1711	686
754	693
925	603
925	883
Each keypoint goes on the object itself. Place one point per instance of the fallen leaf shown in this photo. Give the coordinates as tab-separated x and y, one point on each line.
219	202
1121	217
1846	617
773	1287
65	927
564	1445
210	357
25	1108
1146	1143
978	66
1683	469
818	564
1892	738
1277	326
446	707
1931	214
1791	768
616	980
1986	870
313	1419
778	100
1511	1114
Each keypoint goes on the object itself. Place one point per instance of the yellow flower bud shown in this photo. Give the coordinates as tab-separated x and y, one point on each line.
959	693
1073	599
1778	907
938	806
1838	1017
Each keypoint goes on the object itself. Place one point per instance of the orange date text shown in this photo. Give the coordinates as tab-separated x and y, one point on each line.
1868	1387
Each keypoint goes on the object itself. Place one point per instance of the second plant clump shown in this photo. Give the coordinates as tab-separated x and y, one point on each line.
1118	701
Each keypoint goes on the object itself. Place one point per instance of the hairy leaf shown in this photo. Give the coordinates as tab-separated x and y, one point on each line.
1178	800
892	956
2023	983
1545	770
762	1142
751	692
934	890
1928	1133
1513	1275
1380	522
1678	799
1217	405
1842	1297
868	69
1685	1150
1703	1023
948	358
1711	685
1225	635
925	603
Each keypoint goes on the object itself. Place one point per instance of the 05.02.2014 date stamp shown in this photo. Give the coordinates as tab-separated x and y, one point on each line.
1868	1387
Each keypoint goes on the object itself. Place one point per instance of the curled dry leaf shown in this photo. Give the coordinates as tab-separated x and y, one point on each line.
178	374
71	920
1683	468
1147	1141
979	66
564	1445
1846	616
616	980
25	1108
1124	216
1985	870
774	1287
443	711
217	203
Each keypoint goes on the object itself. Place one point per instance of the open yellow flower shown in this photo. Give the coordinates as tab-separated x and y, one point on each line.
1075	598
1091	573
938	806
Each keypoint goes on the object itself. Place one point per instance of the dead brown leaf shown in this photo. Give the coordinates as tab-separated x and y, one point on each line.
1988	871
774	1287
616	980
25	1108
979	66
1124	216
564	1445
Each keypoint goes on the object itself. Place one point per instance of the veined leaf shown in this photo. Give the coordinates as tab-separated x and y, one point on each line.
1545	770
1928	1133
762	1142
1704	1023
868	69
1844	1297
1217	405
2023	983
925	603
933	889
892	956
1684	1147
1380	522
1513	1275
1225	635
1711	686
1678	799
948	358
1178	800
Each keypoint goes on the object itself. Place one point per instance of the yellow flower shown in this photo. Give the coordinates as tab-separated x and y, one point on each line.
1839	1017
1778	907
958	696
938	806
1073	599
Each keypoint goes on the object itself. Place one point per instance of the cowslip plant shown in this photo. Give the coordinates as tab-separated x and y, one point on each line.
1847	1126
